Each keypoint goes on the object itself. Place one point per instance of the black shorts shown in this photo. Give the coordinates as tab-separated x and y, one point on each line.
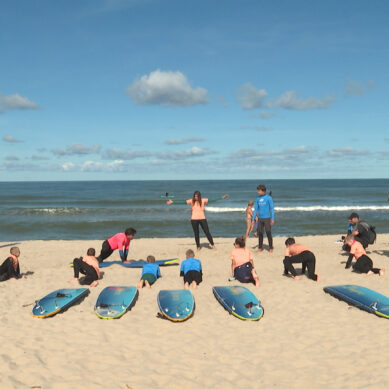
193	275
243	272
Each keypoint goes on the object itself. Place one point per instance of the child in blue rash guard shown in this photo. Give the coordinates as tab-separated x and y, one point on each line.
264	210
191	270
150	273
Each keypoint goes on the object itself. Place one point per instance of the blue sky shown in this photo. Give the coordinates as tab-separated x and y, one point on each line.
152	89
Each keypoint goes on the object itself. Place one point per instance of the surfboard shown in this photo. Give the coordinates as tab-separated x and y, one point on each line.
239	301
139	263
361	297
57	301
176	305
114	301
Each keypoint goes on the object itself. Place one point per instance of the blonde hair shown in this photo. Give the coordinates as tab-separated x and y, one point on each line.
250	203
189	253
14	250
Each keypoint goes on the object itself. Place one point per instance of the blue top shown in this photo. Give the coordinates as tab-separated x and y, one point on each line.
264	207
151	268
190	264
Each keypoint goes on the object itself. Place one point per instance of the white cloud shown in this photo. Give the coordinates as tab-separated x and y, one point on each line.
11	139
166	88
183	141
358	88
347	152
95	166
181	155
77	149
289	100
251	97
267	115
16	102
255	128
125	154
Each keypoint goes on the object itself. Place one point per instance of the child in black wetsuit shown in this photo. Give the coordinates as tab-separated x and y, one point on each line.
10	270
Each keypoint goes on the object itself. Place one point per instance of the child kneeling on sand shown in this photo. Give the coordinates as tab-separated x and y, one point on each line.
298	253
150	273
10	270
242	263
363	264
191	270
88	265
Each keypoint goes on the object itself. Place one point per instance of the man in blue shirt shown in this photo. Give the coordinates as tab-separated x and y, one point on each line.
264	210
191	270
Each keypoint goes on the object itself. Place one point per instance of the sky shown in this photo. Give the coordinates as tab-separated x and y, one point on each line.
166	89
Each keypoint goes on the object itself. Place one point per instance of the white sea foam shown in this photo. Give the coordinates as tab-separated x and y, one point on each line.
311	208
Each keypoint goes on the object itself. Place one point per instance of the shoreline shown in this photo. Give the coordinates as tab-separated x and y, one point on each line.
306	337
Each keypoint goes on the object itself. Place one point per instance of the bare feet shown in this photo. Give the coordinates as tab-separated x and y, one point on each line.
186	285
296	278
193	285
369	273
257	283
213	247
127	261
198	248
73	280
270	250
382	272
260	250
148	286
318	279
93	284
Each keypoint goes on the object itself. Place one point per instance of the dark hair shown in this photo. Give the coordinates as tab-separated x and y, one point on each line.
91	252
241	241
261	187
130	231
289	241
199	196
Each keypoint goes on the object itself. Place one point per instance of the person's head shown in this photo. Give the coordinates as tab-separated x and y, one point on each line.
196	197
349	239
250	203
289	242
14	251
151	258
240	242
261	189
353	218
130	233
189	253
91	252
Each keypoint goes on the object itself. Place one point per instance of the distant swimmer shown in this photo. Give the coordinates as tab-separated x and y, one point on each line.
166	195
198	216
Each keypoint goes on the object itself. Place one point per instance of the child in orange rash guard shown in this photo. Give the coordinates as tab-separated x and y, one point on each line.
298	253
88	265
363	264
242	263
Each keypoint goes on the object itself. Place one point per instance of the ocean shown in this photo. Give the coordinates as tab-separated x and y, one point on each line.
99	209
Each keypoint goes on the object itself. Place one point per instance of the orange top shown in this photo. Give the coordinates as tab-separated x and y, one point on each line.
197	209
241	255
295	249
357	249
92	261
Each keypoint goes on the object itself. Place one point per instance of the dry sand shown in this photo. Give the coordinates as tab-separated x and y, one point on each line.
306	339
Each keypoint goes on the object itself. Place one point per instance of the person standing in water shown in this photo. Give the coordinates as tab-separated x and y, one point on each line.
198	219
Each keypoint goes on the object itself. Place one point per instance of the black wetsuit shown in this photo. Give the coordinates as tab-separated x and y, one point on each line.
8	271
79	266
307	259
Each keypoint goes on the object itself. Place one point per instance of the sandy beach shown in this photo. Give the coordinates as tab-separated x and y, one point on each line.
306	337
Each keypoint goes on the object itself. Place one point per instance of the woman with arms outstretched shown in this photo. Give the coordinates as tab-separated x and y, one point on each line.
198	216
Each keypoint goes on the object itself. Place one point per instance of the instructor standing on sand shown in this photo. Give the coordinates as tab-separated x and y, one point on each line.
264	210
198	215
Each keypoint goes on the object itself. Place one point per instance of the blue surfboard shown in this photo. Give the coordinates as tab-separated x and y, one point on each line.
57	301
140	263
239	301
176	305
114	301
361	297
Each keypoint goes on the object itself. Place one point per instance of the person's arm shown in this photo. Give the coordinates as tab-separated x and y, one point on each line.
218	198
169	202
158	272
271	205
182	269
256	206
349	260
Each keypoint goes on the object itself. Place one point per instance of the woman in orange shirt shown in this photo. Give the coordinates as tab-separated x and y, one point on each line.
198	215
